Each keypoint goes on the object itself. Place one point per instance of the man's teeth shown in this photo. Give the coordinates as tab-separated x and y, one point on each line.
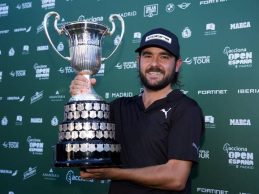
155	73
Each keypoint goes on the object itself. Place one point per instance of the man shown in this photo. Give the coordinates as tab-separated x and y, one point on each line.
159	130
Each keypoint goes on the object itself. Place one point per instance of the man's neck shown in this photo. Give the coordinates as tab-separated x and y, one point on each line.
150	96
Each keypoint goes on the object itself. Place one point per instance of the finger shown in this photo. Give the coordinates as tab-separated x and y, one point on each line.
88	176
80	77
77	84
95	170
85	175
80	80
93	81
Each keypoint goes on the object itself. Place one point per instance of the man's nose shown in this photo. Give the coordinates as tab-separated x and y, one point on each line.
155	61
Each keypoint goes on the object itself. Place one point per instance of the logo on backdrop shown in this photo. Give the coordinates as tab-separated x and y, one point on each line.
136	37
60	46
204	154
9	172
11	145
209	122
18	120
25	5
15	98
47	4
18	73
210	29
239	57
30	173
4	121
36	120
211	190
116	40
35	145
170	8
239	157
184	5
23	29
207	2
150	10
39	28
4	9
240	122
50	175
118	94
240	25
197	60
43	48
11	52
248	91
57	97
101	70
82	18
1	76
66	70
185	91
36	97
60	24
4	32
128	14
54	121
70	177
186	33
127	65
212	92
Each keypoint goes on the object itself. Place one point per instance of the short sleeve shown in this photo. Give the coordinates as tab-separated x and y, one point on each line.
185	133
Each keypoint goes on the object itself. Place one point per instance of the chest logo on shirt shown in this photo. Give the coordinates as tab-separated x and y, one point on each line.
165	111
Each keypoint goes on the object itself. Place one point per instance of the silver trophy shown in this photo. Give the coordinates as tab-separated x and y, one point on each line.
85	46
86	136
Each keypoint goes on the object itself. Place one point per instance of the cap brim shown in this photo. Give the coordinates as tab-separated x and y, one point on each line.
139	49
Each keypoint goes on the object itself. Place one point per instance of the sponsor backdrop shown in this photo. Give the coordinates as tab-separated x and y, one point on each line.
219	44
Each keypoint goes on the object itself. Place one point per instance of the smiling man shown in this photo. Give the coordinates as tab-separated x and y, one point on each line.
159	130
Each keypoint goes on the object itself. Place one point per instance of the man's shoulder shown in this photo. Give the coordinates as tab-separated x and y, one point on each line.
180	99
125	100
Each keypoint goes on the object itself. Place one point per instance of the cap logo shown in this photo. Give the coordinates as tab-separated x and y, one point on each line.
159	37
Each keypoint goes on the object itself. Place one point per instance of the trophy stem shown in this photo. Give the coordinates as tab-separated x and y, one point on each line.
90	95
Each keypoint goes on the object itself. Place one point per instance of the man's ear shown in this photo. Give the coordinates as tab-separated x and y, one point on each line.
138	61
178	65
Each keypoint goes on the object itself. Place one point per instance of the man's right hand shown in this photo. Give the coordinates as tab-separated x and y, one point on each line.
80	85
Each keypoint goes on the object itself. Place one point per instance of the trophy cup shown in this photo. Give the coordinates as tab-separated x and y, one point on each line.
86	137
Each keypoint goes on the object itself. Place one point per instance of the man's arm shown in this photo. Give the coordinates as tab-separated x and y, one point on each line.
170	176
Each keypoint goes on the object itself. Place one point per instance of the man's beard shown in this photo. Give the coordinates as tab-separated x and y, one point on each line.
159	85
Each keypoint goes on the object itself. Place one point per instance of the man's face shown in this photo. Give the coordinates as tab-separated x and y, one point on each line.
157	68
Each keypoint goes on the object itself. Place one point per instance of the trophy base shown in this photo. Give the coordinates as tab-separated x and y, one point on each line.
89	163
85	160
86	137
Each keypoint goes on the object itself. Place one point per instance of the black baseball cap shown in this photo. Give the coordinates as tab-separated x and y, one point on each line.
162	38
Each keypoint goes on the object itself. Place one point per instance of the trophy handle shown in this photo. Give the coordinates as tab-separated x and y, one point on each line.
111	19
60	31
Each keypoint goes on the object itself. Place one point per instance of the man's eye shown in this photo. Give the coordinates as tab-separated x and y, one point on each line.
165	57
